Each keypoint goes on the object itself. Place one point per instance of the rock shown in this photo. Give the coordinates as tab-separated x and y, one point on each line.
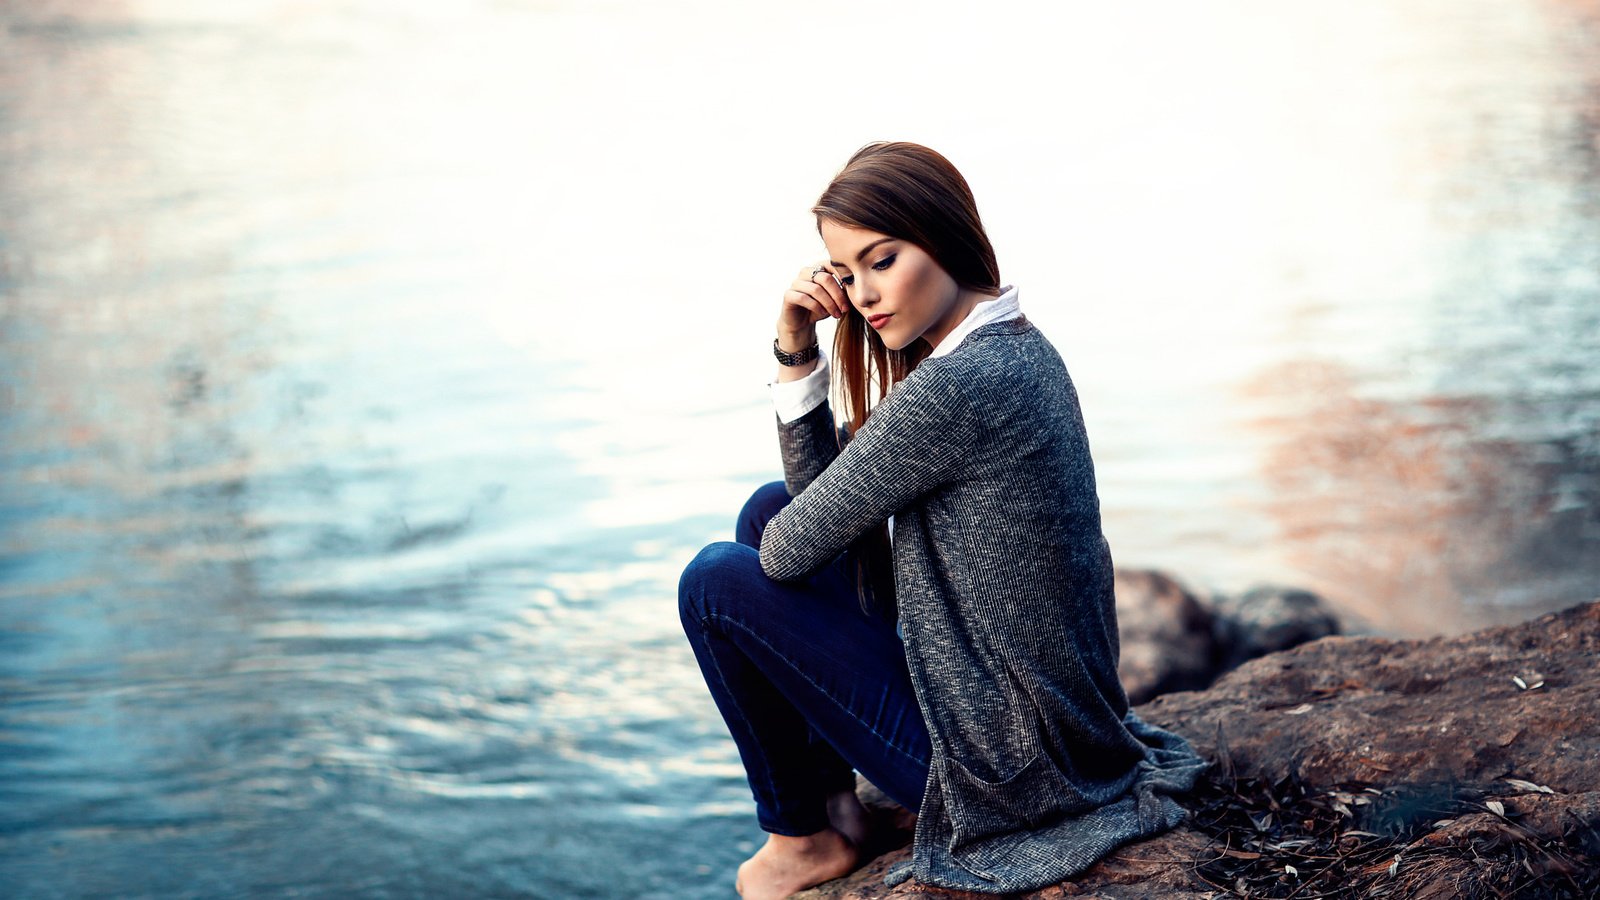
1137	872
1348	708
1173	641
1167	637
1269	618
1441	717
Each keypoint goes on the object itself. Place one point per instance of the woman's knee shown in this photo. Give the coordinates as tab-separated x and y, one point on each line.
764	502
714	577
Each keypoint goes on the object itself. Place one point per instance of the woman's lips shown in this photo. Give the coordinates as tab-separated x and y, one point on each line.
878	320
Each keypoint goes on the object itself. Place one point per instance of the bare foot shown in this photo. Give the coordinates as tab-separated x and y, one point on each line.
848	816
788	864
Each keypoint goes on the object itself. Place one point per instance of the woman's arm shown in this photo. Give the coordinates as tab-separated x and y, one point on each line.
919	437
807	438
798	389
806	433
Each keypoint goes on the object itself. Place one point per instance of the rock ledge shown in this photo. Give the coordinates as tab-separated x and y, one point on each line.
1446	767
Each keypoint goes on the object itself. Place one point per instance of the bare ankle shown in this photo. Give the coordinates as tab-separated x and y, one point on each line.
848	816
826	840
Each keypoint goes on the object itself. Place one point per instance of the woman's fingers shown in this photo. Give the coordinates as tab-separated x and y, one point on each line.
800	298
806	294
805	284
833	286
814	295
825	287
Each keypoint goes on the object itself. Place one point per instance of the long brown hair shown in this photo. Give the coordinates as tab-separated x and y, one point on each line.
913	193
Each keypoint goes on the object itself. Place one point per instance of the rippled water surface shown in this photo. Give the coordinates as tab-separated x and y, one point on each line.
369	372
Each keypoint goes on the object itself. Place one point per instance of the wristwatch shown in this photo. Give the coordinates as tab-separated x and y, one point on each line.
795	359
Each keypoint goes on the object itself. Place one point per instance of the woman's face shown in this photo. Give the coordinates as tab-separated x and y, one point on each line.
901	291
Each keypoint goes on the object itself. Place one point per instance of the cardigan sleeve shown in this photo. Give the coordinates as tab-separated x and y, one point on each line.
919	437
807	437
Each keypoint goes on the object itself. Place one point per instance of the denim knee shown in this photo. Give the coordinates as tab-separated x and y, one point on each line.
773	493
764	502
718	563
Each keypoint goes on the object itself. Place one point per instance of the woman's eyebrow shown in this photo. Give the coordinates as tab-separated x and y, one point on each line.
862	255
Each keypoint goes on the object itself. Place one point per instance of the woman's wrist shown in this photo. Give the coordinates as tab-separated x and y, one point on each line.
796	341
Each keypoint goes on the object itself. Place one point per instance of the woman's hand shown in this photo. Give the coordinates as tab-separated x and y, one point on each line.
809	300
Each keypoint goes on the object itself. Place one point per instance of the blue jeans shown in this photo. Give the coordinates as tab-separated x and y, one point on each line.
812	689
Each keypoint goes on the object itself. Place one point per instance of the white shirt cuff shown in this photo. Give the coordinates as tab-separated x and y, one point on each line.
793	399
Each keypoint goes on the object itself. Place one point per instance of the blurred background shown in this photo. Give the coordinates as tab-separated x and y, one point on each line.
370	370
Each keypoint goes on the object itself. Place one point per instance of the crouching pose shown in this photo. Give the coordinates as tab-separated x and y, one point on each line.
926	597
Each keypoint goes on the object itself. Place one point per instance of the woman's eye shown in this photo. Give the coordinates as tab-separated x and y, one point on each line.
880	265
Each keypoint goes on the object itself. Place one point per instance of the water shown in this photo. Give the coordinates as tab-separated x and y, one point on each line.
369	371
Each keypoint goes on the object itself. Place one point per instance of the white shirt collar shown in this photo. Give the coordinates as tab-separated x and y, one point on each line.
995	309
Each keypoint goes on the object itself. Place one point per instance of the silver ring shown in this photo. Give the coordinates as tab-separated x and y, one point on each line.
815	271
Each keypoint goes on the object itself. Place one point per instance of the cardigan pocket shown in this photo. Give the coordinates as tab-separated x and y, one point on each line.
988	819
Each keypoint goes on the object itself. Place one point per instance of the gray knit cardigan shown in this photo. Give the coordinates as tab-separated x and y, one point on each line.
1004	585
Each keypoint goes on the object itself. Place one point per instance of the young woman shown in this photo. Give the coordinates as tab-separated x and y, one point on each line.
965	662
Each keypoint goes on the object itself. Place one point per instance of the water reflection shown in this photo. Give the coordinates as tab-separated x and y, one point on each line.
1399	509
1450	480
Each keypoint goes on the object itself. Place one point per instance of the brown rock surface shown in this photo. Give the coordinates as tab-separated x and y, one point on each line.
1441	718
1387	711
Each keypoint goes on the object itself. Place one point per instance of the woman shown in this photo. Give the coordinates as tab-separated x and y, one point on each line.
968	667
